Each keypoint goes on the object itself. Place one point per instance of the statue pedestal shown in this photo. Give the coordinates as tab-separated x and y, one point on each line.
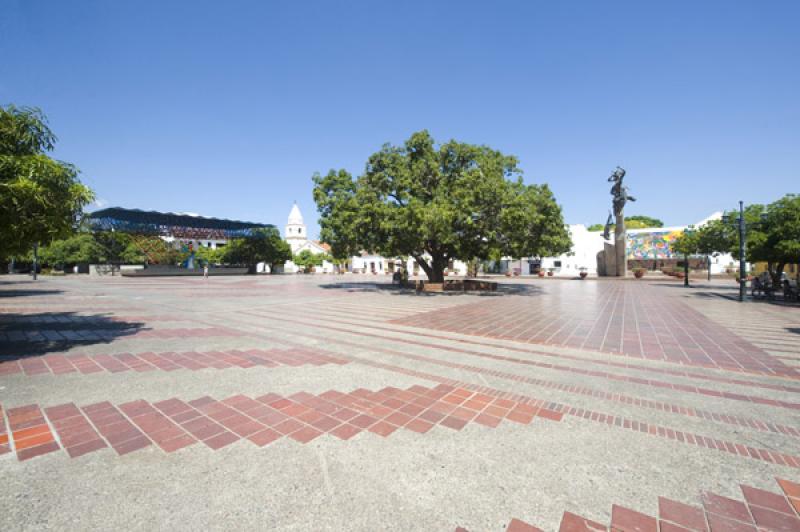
610	252
621	260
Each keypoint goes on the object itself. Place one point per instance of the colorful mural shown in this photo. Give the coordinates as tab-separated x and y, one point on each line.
652	245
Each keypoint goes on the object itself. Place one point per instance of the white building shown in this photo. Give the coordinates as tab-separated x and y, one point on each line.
296	234
648	247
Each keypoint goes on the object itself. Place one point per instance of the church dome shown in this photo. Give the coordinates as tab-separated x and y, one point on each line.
295	218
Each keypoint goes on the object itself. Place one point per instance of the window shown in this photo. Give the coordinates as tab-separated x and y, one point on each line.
557	263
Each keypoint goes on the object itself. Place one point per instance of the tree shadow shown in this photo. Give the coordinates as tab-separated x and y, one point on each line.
26	335
732	294
397	290
32	292
795	330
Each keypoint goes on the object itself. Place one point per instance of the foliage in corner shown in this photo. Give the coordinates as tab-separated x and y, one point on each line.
41	199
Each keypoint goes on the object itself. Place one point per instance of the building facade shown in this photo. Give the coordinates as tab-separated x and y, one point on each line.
296	234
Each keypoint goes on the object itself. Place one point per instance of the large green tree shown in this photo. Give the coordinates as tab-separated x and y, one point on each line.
264	245
41	199
772	235
437	203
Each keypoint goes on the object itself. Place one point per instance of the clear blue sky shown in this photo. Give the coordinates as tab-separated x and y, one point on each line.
228	108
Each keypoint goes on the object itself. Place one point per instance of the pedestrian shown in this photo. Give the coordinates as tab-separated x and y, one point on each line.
205	271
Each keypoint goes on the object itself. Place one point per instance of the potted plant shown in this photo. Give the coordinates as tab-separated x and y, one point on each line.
550	272
639	273
583	273
541	273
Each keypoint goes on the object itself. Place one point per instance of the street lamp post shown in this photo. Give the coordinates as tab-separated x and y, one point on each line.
742	265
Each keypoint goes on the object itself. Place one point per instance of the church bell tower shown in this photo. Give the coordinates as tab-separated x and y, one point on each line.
295	232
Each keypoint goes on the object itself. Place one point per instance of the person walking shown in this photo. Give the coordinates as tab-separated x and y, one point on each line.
205	271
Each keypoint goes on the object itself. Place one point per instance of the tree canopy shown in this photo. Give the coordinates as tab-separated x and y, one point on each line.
306	259
41	199
264	245
640	221
80	248
772	234
437	203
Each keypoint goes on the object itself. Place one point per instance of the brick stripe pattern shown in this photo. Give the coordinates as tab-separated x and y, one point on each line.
625	319
589	373
5	445
557	410
59	364
174	424
538	352
109	334
757	511
30	432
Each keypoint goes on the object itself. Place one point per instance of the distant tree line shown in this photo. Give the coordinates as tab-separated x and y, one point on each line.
636	221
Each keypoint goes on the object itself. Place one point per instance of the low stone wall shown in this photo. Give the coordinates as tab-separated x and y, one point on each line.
457	285
158	270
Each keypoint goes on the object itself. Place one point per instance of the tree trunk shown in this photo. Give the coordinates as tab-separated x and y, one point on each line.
438	265
434	270
35	260
776	275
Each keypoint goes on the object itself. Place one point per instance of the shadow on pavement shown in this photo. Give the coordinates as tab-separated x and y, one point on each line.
31	292
25	335
731	293
393	289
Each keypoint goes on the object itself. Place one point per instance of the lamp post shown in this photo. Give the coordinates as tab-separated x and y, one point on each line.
742	266
688	231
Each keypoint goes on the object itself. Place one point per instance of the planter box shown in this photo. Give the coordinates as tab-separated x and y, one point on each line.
425	286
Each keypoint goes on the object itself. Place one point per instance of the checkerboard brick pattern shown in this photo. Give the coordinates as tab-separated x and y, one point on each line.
756	511
173	424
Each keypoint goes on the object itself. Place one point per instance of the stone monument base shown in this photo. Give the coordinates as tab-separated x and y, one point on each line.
607	261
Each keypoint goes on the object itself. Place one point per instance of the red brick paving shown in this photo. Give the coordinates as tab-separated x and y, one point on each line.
77	334
623	318
77	435
30	432
539	352
759	511
59	364
173	424
593	373
556	410
5	445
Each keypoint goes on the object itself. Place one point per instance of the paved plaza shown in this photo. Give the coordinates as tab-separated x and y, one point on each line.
342	403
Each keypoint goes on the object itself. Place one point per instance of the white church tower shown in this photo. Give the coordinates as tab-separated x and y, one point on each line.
296	233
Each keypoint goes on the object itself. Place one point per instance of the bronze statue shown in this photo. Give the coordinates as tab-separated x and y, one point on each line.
619	191
612	260
607	228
